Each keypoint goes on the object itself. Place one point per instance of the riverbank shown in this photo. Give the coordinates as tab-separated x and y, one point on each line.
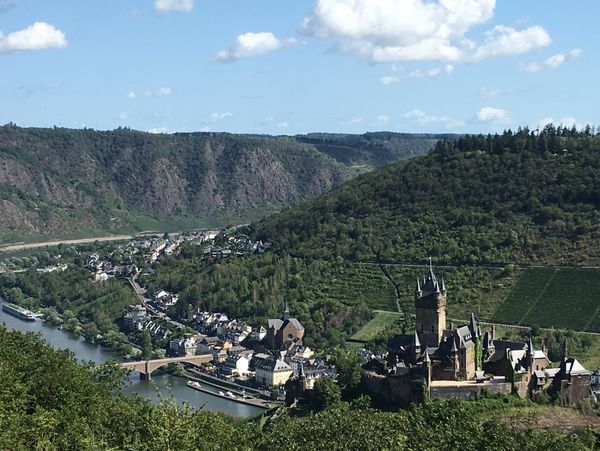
163	386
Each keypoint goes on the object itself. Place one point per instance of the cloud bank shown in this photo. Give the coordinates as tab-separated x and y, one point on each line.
417	30
38	36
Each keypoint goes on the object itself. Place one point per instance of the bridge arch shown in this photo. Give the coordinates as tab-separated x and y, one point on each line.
147	367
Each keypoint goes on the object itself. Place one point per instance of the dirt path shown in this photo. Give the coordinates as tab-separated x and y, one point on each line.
24	246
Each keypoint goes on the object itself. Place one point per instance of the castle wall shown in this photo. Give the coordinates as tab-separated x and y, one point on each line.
467	390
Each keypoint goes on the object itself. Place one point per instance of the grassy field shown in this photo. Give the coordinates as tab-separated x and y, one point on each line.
382	321
564	298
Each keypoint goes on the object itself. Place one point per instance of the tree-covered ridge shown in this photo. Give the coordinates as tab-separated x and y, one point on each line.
62	181
372	149
523	197
48	401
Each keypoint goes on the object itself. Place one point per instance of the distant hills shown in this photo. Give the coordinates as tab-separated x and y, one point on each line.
520	197
63	182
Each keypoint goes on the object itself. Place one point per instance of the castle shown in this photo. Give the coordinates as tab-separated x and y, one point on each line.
461	361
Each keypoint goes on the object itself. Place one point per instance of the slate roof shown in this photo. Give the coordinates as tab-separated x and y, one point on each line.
276	323
273	365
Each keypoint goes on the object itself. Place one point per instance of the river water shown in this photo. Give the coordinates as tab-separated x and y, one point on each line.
165	384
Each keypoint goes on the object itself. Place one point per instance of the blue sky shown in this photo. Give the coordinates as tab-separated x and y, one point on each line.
297	66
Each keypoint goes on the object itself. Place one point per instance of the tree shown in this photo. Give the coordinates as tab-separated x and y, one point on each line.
146	343
326	393
90	331
348	366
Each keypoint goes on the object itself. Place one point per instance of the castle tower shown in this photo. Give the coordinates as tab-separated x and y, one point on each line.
430	306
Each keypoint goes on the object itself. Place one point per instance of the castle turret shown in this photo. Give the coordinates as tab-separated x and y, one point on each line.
416	347
455	359
530	356
430	306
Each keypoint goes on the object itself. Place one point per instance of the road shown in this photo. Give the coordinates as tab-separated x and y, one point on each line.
141	292
24	246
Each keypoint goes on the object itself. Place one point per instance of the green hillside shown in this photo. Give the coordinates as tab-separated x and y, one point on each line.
519	197
549	297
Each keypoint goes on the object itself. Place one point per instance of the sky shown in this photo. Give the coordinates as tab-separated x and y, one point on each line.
298	66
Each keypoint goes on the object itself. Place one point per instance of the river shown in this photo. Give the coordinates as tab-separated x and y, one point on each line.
164	384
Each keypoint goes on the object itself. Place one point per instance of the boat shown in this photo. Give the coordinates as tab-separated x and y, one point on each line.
221	393
231	395
19	311
193	384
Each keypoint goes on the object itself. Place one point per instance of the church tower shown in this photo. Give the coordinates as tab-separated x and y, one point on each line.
430	306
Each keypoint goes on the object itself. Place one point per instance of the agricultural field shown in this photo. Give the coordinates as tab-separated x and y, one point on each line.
550	297
381	322
470	289
355	283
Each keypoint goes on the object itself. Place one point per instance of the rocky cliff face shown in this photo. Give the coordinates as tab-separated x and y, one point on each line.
59	181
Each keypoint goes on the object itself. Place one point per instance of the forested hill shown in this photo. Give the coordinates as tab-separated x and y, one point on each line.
523	197
61	181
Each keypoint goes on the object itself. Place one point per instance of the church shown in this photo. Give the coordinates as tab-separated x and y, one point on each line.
461	361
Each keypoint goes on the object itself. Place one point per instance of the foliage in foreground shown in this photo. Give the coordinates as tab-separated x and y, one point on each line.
48	401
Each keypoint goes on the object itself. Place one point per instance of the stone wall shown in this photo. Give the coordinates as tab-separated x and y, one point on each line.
468	390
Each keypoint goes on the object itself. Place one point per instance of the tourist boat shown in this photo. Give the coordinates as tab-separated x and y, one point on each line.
19	312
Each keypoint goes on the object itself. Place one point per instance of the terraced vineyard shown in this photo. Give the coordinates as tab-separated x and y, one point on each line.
354	284
377	325
562	298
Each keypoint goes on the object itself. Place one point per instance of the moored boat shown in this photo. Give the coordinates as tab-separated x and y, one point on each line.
19	311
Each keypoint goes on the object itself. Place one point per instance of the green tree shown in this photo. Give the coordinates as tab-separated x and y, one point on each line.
326	393
146	344
348	366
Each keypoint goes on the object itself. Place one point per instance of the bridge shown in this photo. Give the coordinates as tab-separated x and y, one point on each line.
147	367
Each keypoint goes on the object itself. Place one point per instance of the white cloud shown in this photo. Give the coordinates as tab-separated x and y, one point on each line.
131	95
205	129
417	30
552	62
283	125
503	40
165	6
123	116
221	116
38	36
158	130
388	80
355	121
381	120
448	69
423	119
487	93
568	122
489	114
248	45
165	91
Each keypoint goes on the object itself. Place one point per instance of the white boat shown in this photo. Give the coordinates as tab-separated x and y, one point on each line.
193	384
231	395
19	312
221	393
